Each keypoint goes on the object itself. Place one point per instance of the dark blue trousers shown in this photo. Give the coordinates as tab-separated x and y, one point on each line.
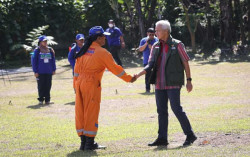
162	97
147	79
115	50
44	82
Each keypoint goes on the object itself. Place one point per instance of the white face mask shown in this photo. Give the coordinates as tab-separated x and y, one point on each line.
111	25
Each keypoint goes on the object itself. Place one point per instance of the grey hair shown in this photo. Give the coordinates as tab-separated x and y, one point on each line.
165	25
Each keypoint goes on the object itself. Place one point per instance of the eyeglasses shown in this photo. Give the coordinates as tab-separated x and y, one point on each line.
151	34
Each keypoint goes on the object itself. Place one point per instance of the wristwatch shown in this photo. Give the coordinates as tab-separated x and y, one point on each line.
189	79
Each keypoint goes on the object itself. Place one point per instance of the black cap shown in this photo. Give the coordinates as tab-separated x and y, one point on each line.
151	30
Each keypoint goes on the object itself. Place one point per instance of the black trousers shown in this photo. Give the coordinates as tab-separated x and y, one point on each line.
114	50
162	97
44	82
147	79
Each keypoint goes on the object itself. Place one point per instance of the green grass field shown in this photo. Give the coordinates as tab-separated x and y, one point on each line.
218	108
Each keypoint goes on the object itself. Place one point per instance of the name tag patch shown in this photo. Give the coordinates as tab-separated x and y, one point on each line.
45	57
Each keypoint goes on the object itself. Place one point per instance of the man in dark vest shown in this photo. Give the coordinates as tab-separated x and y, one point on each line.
167	62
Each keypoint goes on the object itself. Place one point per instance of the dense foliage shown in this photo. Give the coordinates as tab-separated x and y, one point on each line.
208	24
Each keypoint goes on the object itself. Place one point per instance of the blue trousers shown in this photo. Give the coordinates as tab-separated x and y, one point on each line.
162	97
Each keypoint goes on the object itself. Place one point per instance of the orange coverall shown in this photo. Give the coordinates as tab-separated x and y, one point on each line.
89	69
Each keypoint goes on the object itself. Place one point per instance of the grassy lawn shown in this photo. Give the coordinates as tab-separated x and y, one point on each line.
218	108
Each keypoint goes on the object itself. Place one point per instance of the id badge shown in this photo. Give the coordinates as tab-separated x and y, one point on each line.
46	60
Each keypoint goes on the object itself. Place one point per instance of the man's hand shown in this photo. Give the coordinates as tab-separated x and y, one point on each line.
189	86
134	78
148	42
123	45
149	46
54	72
36	74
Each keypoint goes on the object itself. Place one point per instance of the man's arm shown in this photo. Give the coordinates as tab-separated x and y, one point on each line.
184	57
189	85
142	48
71	57
122	41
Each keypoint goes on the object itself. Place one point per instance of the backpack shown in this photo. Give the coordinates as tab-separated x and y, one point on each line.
72	46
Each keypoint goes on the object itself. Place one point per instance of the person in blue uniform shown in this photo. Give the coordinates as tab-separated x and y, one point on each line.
44	66
75	49
115	41
146	44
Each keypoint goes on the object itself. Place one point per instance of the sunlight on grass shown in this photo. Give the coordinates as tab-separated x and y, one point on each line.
218	104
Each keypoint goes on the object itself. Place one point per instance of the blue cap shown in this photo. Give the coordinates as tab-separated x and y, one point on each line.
79	36
42	38
97	30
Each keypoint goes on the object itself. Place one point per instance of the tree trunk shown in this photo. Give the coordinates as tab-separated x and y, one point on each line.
151	14
209	38
238	19
191	30
193	42
226	21
248	22
140	17
132	22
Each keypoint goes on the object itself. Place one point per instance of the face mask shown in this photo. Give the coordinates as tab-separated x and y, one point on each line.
111	25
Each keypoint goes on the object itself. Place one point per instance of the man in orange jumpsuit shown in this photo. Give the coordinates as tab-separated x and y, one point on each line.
91	62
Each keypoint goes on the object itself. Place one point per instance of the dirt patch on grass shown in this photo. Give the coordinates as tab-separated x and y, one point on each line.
215	139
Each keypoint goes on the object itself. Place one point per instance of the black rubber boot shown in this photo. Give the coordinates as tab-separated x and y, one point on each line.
83	142
91	145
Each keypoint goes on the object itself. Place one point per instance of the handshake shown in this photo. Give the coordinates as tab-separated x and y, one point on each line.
134	78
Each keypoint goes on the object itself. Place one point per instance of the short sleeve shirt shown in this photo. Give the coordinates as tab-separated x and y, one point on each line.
146	51
114	37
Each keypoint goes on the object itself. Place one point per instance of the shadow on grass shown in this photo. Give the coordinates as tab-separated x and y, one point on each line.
70	103
147	93
37	106
159	148
223	59
82	153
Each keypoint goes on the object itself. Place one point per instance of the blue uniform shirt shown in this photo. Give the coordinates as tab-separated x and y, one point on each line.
146	51
43	63
114	37
71	56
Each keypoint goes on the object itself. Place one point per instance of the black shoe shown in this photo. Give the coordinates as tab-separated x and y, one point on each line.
91	145
159	142
83	142
189	140
40	103
48	102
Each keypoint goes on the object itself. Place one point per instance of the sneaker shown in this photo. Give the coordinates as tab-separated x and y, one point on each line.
40	103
